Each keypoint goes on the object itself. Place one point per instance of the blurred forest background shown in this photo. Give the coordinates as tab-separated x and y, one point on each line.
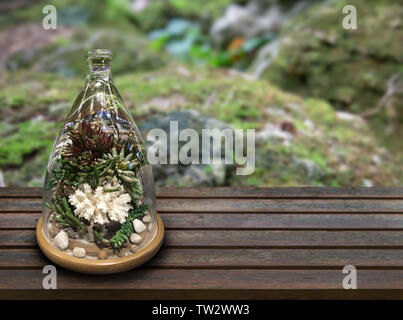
326	102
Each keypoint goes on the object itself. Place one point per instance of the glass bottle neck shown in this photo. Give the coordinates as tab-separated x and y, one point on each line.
99	70
99	64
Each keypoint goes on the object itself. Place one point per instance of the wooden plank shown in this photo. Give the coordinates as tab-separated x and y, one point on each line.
265	221
261	258
202	279
263	238
238	205
203	294
195	294
18	220
249	239
152	284
238	258
17	238
20	192
279	205
244	192
279	193
282	221
20	204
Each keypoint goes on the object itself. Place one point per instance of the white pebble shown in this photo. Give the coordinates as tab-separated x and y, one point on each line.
139	226
147	219
62	240
135	238
79	252
150	227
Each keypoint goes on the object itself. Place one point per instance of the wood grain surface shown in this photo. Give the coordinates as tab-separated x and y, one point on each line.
231	243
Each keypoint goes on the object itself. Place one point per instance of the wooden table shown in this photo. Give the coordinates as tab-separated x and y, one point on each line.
231	243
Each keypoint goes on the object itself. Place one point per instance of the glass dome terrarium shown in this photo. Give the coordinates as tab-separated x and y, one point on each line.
99	213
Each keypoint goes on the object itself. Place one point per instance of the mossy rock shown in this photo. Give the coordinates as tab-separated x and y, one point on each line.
348	68
298	141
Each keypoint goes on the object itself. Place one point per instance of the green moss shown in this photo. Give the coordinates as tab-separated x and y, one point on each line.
27	139
320	111
228	98
16	101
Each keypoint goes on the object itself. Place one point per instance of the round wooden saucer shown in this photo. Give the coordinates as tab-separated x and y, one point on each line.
100	266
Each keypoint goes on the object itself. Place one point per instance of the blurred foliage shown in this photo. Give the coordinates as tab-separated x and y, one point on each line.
81	28
159	13
185	40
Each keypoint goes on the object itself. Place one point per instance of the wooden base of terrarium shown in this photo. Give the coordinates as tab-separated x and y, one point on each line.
100	266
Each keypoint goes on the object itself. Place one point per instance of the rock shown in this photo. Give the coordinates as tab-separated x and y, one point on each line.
271	131
193	174
254	19
91	248
2	184
62	240
55	228
164	104
139	226
312	170
147	219
139	5
355	120
367	183
135	238
102	255
133	248
347	116
79	252
264	58
377	159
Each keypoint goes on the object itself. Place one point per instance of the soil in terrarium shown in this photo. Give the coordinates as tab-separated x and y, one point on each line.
99	199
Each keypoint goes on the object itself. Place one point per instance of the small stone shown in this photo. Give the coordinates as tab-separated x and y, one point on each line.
54	228
62	240
139	226
135	238
102	255
133	248
150	227
79	252
147	219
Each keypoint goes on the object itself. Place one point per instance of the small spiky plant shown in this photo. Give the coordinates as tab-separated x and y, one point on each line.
88	143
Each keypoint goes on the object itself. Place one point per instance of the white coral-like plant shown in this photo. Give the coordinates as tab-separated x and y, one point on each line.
98	206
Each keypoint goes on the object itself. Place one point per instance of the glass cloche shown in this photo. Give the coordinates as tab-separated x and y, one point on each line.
99	196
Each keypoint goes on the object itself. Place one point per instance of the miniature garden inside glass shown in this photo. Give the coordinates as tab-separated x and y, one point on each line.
99	199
